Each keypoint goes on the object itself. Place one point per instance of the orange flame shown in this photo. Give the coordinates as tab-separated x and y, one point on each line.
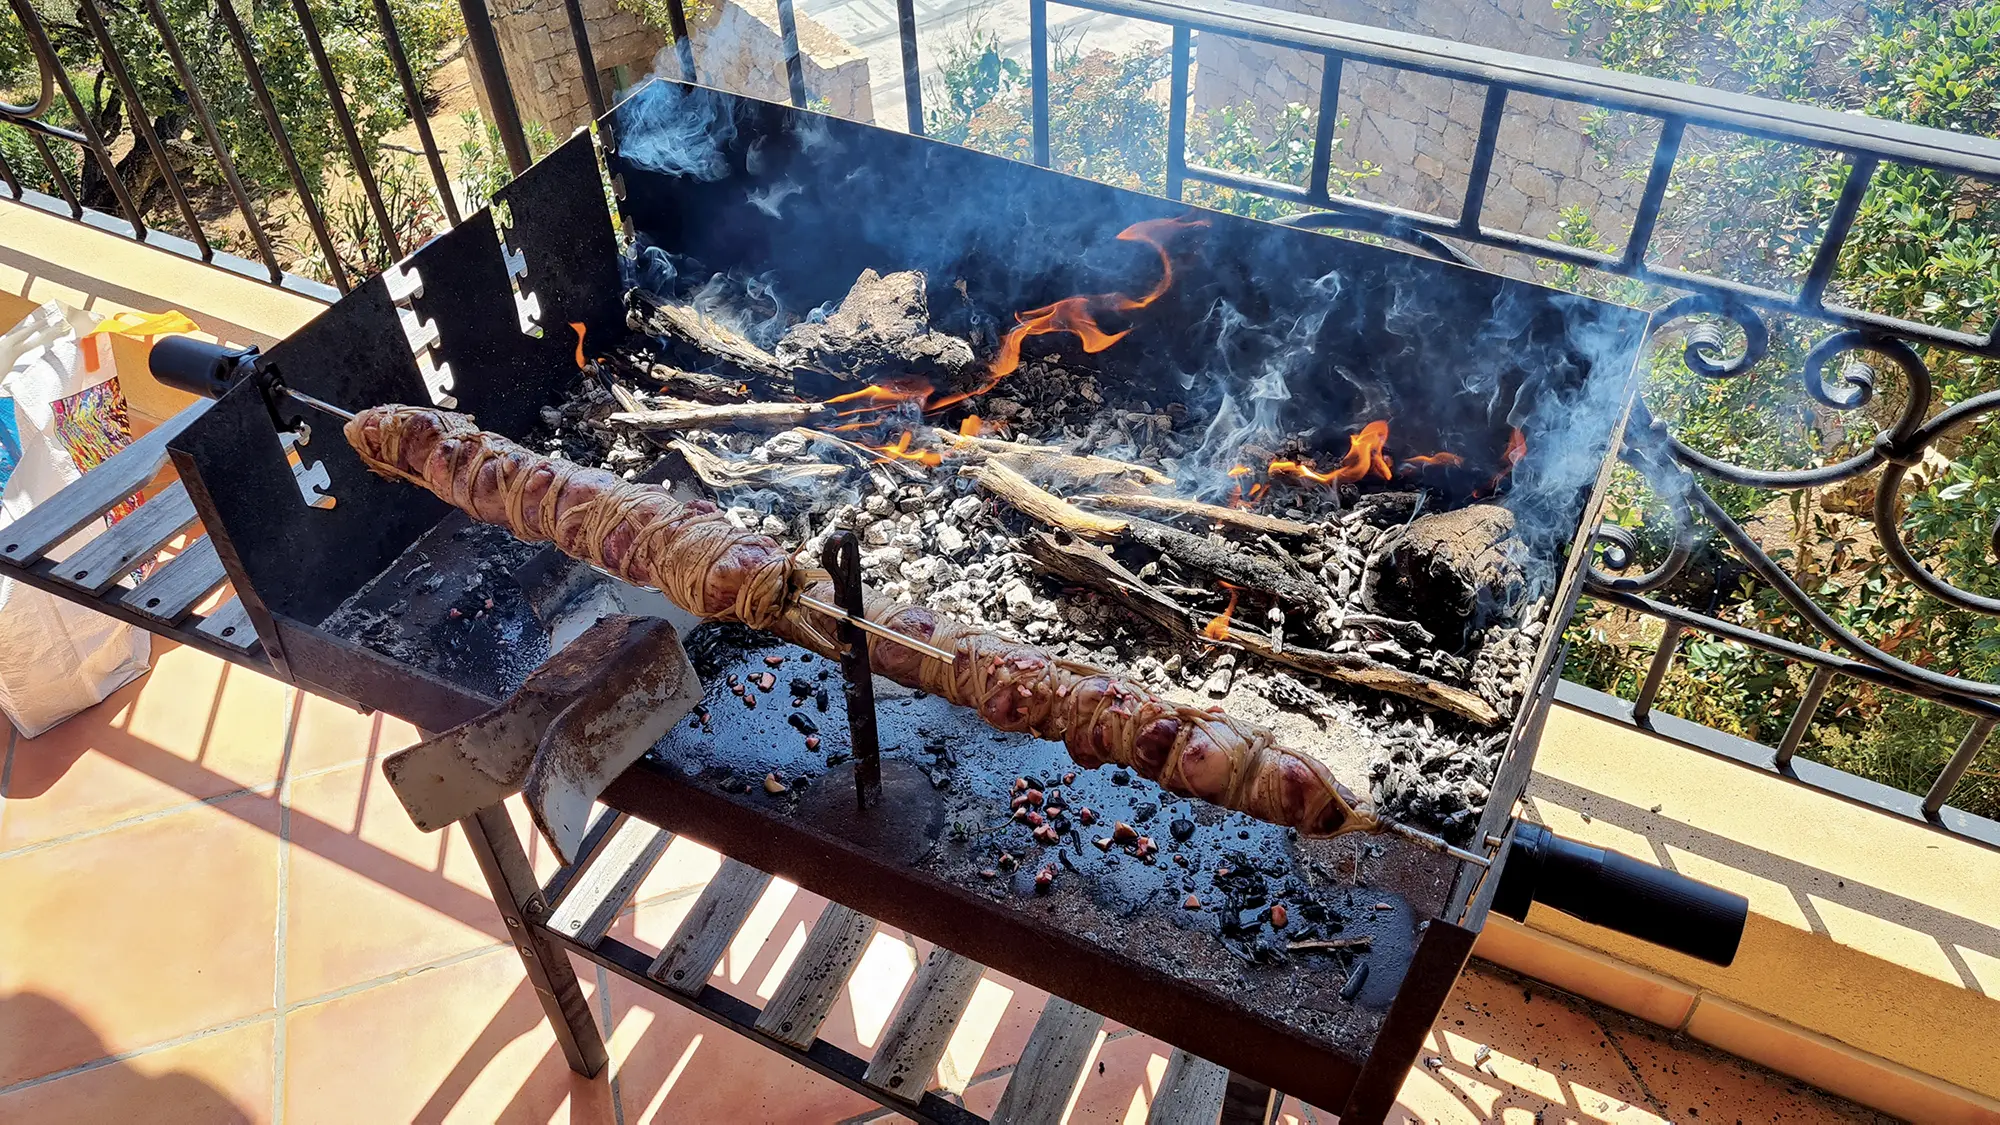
580	329
1517	448
1435	460
971	426
885	395
899	450
1078	315
1364	458
1218	628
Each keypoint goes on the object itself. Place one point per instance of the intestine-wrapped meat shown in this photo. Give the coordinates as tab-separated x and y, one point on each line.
691	553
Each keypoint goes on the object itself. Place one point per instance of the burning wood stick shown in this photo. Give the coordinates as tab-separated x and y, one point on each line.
1049	462
1241	519
1226	562
1094	568
699	416
1038	503
689	552
706	342
718	472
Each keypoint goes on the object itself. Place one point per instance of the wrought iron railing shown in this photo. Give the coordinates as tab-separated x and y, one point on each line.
1676	469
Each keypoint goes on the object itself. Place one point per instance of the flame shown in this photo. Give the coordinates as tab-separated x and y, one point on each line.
1218	628
899	450
1078	315
1364	458
1517	448
580	330
1240	470
884	396
1435	460
971	427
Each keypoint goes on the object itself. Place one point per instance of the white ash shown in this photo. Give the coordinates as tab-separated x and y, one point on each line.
928	535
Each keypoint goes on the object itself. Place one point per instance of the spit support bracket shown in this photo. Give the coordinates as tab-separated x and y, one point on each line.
842	559
578	721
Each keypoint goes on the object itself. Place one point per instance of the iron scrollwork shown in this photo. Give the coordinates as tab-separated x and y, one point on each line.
1671	468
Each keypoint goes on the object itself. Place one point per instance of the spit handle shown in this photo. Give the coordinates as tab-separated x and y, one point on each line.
199	367
1613	890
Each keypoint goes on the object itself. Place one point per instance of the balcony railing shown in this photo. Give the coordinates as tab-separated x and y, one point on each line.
1702	312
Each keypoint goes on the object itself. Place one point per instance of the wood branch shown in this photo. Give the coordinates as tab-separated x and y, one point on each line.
697	387
701	416
1365	671
1082	564
1256	523
719	472
1038	503
1093	567
1046	462
1237	567
698	341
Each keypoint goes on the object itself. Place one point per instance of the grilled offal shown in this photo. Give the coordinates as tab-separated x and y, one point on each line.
688	551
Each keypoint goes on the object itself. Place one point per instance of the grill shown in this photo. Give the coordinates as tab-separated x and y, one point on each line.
386	598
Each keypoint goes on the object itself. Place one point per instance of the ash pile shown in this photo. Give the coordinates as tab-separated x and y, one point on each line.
1009	479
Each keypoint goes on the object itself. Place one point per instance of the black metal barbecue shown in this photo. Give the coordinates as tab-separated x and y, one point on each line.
388	600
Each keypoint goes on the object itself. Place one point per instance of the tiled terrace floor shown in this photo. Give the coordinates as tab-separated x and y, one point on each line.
216	911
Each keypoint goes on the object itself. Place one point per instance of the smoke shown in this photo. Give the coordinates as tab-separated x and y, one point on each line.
769	199
737	302
1569	416
680	131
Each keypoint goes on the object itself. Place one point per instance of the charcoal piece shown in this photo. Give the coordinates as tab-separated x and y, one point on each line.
1451	570
882	330
693	342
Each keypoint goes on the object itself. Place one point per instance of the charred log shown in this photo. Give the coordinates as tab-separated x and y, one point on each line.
881	331
1449	567
700	343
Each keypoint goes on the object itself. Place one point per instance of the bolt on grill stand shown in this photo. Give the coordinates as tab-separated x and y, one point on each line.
842	559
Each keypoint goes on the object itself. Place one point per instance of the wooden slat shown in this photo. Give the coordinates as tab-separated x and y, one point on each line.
131	541
1057	1051
688	959
172	591
596	896
1190	1092
1246	1101
27	539
917	1036
816	977
230	625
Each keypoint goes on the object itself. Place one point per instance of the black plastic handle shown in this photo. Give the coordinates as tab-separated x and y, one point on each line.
1613	890
199	367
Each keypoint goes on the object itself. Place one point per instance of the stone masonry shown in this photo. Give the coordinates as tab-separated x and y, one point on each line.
541	57
737	48
1421	130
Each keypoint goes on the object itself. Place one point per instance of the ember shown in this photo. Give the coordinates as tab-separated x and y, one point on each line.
1218	627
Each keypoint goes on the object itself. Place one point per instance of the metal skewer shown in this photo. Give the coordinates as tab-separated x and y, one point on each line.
305	399
1415	836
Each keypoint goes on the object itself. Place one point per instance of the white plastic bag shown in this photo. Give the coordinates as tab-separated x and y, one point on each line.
56	657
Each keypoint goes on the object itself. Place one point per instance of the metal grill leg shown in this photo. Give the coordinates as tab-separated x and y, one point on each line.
512	880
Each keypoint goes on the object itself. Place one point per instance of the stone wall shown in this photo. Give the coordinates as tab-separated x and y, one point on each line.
737	47
1421	130
542	66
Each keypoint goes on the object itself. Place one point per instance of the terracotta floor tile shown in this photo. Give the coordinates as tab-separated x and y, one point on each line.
219	1079
1119	1083
465	1042
325	733
192	728
368	893
1693	1083
143	933
676	1067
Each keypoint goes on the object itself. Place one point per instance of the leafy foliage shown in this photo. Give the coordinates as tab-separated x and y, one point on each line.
352	39
1922	248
